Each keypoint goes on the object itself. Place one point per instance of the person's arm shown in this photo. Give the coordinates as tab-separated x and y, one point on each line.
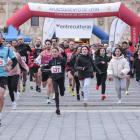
28	48
97	62
110	69
95	68
77	65
126	68
38	60
64	55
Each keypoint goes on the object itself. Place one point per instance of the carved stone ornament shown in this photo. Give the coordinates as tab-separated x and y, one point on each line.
2	9
100	21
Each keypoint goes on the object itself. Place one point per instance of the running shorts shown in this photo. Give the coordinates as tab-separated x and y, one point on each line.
46	76
35	69
3	82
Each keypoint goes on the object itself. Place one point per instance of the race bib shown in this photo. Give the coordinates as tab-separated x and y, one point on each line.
1	62
23	58
56	69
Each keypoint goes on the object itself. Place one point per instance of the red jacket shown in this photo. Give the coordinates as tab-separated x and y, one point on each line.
31	59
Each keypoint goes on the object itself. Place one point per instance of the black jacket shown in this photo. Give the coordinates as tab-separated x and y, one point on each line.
71	63
98	62
85	61
57	62
136	66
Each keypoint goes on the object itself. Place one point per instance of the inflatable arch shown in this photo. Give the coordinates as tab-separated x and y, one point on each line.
99	33
77	11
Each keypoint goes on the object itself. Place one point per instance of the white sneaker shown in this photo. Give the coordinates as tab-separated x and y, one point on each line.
119	101
16	96
14	105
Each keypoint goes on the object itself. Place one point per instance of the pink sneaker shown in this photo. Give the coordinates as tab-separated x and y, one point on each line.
97	87
103	97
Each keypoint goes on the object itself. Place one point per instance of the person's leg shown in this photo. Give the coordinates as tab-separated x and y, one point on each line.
11	93
49	83
127	83
39	77
86	88
123	84
24	74
77	87
98	77
82	87
73	85
31	77
70	81
118	87
103	83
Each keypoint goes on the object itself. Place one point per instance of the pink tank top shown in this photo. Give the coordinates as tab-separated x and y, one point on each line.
46	58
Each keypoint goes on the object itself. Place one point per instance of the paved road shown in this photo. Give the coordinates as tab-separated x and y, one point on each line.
101	120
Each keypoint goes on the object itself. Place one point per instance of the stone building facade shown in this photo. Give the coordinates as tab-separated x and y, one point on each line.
9	7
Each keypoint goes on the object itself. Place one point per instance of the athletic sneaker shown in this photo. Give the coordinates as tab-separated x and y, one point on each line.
16	96
103	97
53	96
23	89
82	93
126	92
97	87
14	105
19	93
73	94
70	89
85	104
78	97
48	101
0	122
34	80
31	86
57	112
39	89
119	101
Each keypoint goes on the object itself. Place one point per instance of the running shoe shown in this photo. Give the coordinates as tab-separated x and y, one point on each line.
78	97
23	89
39	89
103	97
19	93
70	89
16	96
126	92
31	86
57	112
82	93
119	101
14	105
36	87
48	101
72	93
97	87
85	104
0	122
53	96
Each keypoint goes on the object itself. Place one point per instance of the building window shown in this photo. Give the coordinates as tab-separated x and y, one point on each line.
35	21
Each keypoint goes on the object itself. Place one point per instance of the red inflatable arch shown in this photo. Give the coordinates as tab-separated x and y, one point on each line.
78	11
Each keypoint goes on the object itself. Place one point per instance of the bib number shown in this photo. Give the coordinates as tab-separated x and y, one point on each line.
56	69
23	58
1	62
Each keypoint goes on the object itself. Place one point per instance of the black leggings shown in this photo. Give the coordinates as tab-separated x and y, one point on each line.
12	85
31	73
77	84
59	82
101	79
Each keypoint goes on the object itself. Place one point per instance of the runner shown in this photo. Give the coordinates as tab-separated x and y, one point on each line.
130	60
66	44
46	56
101	61
13	77
69	53
24	50
73	71
37	73
111	47
119	67
4	69
57	65
30	65
85	67
136	65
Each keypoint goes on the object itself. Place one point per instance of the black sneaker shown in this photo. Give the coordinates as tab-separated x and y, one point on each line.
78	97
0	123
82	93
39	89
36	88
57	112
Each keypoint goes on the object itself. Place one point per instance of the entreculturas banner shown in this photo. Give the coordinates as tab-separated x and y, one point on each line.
73	28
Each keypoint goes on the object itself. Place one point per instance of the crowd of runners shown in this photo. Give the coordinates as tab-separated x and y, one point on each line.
47	66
